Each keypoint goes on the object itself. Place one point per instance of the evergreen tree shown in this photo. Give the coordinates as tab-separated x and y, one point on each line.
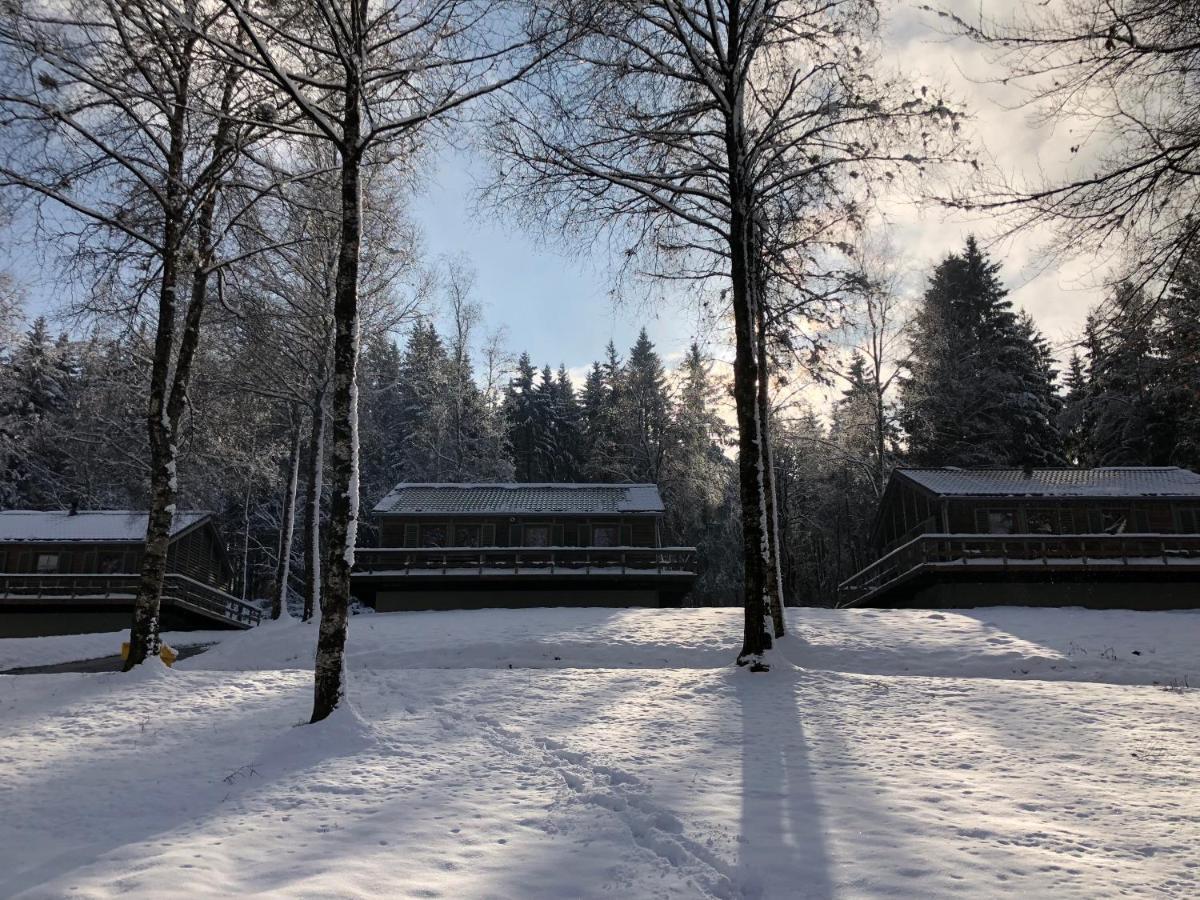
382	417
545	421
864	426
980	389
644	406
566	416
695	464
477	440
697	480
1074	422
424	417
1143	397
1032	402
35	396
863	449
604	458
1120	409
524	421
1178	392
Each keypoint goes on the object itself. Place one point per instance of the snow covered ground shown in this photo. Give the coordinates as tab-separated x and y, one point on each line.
19	653
615	753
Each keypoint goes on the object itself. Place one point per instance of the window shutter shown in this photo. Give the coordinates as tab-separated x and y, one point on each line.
488	535
410	535
626	535
557	539
514	535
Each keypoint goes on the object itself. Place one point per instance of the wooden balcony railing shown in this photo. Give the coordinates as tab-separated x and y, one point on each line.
184	592
525	560
1023	552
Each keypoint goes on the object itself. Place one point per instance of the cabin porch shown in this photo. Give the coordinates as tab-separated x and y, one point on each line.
1130	571
34	604
407	578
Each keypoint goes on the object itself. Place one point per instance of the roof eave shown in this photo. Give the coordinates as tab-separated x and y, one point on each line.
573	513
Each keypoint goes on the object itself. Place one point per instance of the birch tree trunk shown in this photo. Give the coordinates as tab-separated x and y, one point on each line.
245	592
774	570
755	550
144	629
329	684
287	526
167	404
312	508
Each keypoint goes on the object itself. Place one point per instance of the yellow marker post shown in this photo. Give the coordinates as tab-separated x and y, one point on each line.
166	653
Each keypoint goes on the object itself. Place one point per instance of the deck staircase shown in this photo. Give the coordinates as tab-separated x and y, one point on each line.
201	602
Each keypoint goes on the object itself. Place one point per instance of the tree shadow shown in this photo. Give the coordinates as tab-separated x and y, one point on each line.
781	850
150	781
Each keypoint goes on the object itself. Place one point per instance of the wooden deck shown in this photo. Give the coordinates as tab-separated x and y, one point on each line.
64	592
1025	555
532	561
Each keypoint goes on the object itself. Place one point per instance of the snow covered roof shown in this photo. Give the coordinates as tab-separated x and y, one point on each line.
516	498
1130	481
119	526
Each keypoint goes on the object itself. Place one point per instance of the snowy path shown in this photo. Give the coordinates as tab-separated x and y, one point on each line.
612	778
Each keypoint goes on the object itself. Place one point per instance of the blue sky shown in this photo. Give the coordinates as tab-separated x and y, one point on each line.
550	301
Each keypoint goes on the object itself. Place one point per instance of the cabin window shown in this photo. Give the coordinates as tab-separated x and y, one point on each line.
1042	521
466	535
537	535
1114	521
47	563
110	563
1074	520
433	535
605	535
1188	519
996	521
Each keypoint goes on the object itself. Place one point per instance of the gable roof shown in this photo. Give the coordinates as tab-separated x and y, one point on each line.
517	498
91	526
1127	481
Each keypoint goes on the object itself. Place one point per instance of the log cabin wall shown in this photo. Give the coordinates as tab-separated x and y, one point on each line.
197	556
73	557
909	512
194	555
1041	515
514	531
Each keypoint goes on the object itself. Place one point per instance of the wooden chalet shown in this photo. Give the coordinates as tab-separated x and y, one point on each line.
456	546
1113	537
77	572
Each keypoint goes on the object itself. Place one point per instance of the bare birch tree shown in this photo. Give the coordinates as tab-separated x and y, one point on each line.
287	524
280	301
115	114
876	334
725	143
369	78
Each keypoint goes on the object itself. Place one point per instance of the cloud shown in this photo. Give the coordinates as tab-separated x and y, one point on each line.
1021	148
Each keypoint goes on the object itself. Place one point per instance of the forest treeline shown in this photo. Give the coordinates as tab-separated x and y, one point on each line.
971	382
224	184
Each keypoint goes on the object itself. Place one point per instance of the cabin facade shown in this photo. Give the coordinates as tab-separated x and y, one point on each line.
77	572
470	546
1125	537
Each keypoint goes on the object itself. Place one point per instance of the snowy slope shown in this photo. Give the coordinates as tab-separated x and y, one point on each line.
1114	646
638	765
